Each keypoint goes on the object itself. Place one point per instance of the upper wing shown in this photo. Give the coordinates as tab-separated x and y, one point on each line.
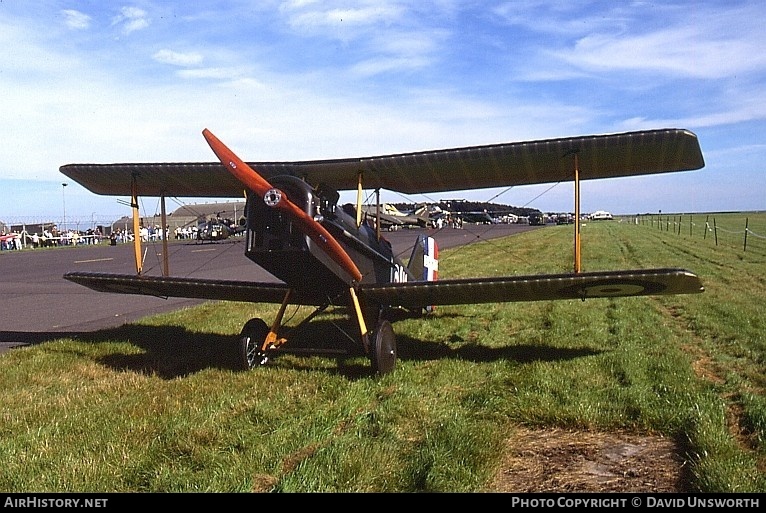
475	167
534	288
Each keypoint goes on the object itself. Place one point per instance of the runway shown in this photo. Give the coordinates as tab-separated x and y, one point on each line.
37	304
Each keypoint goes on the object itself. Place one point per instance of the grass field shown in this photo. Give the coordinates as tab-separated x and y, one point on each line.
154	406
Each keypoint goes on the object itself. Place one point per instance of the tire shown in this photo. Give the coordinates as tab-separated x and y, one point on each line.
253	334
383	348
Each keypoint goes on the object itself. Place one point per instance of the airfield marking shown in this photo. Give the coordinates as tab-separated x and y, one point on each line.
93	260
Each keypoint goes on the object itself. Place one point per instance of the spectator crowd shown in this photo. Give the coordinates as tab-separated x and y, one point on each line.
21	239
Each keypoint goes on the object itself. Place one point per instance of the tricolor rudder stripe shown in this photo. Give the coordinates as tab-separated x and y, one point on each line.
430	259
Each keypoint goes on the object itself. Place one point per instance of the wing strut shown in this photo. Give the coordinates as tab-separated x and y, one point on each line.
136	227
360	319
163	217
377	213
272	340
577	212
359	200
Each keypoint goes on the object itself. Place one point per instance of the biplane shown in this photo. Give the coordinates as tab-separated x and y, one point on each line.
326	255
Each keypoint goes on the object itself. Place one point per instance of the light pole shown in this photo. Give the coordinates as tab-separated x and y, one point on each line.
63	200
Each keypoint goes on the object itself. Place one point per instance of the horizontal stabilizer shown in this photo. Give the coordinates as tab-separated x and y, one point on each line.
535	288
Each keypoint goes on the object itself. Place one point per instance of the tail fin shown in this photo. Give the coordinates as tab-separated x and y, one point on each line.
424	261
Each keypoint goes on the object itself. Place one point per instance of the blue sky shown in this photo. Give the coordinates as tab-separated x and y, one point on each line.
86	81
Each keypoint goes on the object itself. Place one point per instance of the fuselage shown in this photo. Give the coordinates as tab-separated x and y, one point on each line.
276	244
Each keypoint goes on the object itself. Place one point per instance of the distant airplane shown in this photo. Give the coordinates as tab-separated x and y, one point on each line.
475	217
391	218
328	257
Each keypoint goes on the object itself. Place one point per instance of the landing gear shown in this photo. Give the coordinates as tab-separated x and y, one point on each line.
253	334
257	340
383	347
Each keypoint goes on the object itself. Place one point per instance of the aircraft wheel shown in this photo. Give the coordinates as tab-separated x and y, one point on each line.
383	347
253	334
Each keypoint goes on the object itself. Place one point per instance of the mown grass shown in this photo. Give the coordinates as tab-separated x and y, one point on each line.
155	406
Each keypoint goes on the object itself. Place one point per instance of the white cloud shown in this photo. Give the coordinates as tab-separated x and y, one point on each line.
222	74
344	23
684	52
76	20
321	19
707	41
177	58
380	65
131	19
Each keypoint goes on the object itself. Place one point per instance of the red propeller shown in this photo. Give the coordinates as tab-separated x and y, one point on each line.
277	199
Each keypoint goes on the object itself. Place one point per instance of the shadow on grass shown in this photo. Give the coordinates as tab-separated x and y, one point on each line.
414	349
174	351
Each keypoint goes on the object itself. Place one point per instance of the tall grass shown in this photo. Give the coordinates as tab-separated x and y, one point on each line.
155	406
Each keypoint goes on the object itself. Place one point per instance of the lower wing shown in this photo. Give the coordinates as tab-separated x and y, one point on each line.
414	294
163	286
535	287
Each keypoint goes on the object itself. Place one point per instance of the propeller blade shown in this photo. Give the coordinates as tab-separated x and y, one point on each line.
277	199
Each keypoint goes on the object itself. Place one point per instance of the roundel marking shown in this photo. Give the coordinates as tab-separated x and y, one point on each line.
612	288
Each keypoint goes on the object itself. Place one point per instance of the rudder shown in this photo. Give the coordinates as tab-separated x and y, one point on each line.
424	261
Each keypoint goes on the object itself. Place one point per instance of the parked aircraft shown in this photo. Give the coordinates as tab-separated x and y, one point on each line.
216	228
391	218
212	230
326	256
537	219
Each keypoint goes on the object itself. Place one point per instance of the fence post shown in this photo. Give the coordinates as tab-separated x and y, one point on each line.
745	247
715	231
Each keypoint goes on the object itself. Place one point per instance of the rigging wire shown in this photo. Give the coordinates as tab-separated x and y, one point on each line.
176	248
479	234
